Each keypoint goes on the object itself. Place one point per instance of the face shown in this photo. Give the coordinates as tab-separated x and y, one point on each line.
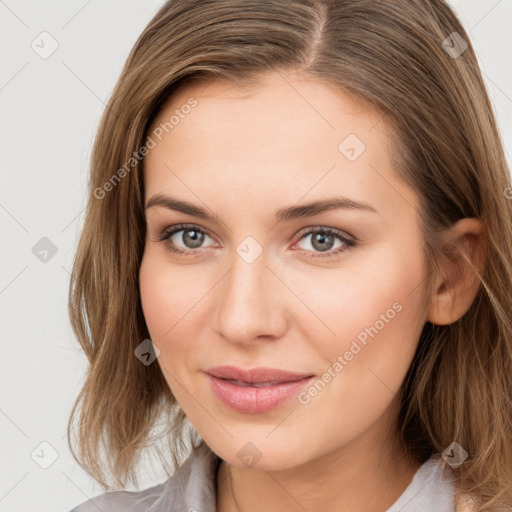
259	280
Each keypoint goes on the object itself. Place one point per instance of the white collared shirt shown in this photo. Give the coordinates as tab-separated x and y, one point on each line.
192	489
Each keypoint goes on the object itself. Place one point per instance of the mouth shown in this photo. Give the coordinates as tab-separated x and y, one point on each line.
256	397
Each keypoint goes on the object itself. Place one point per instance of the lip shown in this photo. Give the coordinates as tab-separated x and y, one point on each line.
250	399
259	374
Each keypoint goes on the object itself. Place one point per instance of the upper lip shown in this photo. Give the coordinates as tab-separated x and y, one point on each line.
260	374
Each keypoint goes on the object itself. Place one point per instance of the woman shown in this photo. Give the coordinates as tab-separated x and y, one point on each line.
298	242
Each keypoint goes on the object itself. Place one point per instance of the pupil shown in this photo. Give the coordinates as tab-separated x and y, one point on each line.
197	238
322	239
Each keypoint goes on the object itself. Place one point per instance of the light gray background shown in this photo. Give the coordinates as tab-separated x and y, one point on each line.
50	111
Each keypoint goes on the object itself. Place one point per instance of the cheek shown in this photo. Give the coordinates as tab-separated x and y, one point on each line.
350	300
377	319
156	298
377	322
167	295
173	300
165	303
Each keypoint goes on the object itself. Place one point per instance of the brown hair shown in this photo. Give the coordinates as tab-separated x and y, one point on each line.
394	56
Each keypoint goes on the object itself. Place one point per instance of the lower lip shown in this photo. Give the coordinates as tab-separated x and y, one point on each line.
255	400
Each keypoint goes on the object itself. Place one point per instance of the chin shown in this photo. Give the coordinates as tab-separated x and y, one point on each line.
260	455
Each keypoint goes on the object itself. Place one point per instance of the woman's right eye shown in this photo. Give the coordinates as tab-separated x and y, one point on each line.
191	238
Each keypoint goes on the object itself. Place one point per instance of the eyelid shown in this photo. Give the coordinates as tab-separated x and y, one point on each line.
321	228
167	232
346	239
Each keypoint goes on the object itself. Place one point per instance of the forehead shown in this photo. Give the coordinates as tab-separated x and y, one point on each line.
287	131
306	96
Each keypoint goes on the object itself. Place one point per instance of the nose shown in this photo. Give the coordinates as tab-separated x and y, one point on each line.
250	302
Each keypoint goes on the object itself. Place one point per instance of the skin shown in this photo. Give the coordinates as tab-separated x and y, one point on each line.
242	154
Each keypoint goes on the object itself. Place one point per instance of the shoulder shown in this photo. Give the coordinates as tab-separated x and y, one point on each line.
190	487
128	501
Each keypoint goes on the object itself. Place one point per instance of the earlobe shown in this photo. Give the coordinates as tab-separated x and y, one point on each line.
455	290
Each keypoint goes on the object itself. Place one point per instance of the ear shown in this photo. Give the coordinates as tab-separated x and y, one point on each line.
455	290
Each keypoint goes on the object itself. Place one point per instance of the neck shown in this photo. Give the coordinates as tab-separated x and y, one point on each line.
367	475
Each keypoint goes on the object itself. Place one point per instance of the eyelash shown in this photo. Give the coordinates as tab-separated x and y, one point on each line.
349	242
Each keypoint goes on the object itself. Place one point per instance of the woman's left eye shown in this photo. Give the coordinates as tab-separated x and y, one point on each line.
322	240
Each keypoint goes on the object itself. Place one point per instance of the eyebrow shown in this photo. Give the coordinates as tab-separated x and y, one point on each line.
284	214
